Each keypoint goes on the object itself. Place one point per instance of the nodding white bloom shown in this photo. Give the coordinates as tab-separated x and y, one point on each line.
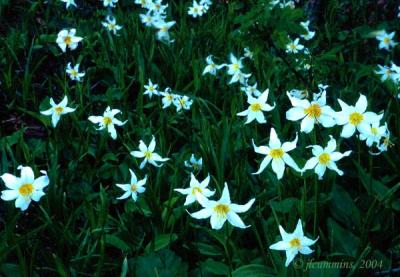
240	77
325	158
383	146
69	3
168	98
222	210
389	73
235	66
211	67
25	188
108	121
148	154
293	243
294	46
196	10
310	113
148	19
277	153
252	90
156	7
299	94
73	72
163	30
385	40
133	188
151	89
374	133
248	53
111	24
310	34
193	163
109	3
196	189
67	38
57	110
355	117
256	108
182	102
143	3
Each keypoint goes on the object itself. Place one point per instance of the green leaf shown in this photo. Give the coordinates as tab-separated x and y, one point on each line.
342	241
117	242
253	270
160	242
215	267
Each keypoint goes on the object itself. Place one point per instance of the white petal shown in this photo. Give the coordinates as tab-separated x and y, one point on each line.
137	154
260	149
22	203
290	145
235	220
27	175
305	250
242	208
290	255
184	191
204	213
290	162
295	113
264	164
11	181
152	144
9	195
361	104
225	197
36	195
217	221
142	146
307	124
190	198
310	164
298	232
331	145
278	166
332	166
348	130
320	170
280	245
125	195
158	158
95	119
47	112
41	182
274	141
112	131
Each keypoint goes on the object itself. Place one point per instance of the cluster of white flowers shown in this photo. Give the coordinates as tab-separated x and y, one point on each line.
181	102
386	42
199	8
155	17
193	163
282	4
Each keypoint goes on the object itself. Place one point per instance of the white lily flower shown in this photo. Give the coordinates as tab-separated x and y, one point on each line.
163	30
299	94
235	66
148	154
248	53
294	46
69	3
240	77
325	158
383	146
311	113
133	188
374	133
196	189
211	67
143	3
73	72
257	107
148	19
108	121
67	38
111	24
355	117
222	210
196	10
109	3
277	153
389	73
293	243
24	189
310	34
168	98
156	7
151	89
251	90
194	163
182	102
57	110
385	40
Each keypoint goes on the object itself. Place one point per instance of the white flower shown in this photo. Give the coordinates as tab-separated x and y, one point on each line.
69	3
211	67
383	146
325	158
251	90
240	77
389	73
193	163
293	243
196	189
248	53
108	121
310	34
148	154
182	102
133	188
385	40
222	210
73	72
111	25
294	46
374	133
310	113
147	19
151	89
109	3
235	66
257	107
168	98
57	110
143	3
163	29
299	94
67	38
277	152
355	117
24	189
196	10
157	7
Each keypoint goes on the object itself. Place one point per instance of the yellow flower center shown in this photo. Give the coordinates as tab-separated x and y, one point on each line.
111	26
164	29
388	72
324	158
386	40
374	131
68	40
313	110
221	209
293	46
355	118
133	187
255	107
195	10
295	243
151	88
169	97
107	120
182	102
276	153
59	110
74	73
196	189
26	189
235	66
148	154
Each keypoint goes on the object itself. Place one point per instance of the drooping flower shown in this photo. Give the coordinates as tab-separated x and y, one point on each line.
148	154
310	34
325	158
252	90
211	67
73	72
111	24
385	40
148	19
133	188
57	110
311	113
108	121
25	188
151	89
222	210
67	38
109	3
389	73
257	107
196	188
69	3
163	30
374	133
293	243
248	53
194	163
294	46
277	153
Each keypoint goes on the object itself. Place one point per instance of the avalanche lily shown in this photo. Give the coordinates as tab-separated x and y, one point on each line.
108	121
257	107
193	163
67	38
196	189
57	110
147	152
73	72
133	188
